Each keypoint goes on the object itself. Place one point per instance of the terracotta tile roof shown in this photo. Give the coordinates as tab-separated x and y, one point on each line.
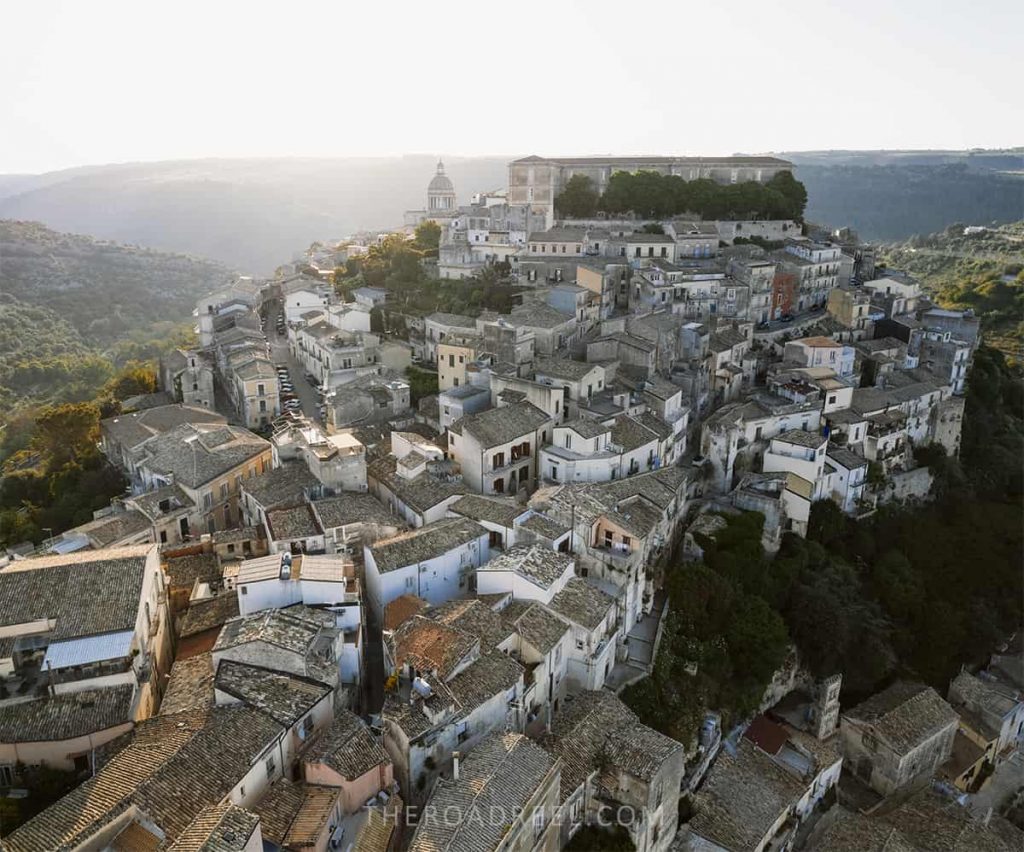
401	609
582	603
84	594
538	625
190	686
475	618
499	776
135	838
183	571
220	828
424	543
430	646
296	814
542	566
208	613
597	728
743	797
375	833
64	717
348	747
904	715
284	697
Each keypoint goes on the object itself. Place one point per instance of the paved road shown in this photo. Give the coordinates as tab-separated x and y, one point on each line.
308	394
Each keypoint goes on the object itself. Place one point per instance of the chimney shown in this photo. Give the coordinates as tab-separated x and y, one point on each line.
455	765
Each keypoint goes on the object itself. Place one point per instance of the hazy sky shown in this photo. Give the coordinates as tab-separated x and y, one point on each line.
100	82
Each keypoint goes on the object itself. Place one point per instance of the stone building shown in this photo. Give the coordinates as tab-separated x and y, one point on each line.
903	733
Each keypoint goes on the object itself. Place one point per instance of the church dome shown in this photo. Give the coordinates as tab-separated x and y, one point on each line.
440	182
440	194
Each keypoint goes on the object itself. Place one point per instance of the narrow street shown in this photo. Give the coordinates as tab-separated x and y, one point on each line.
280	354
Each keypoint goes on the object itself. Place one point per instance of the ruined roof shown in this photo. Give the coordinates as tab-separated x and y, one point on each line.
84	593
500	775
293	815
582	603
281	486
497	426
905	715
66	716
534	562
401	609
429	645
348	747
285	697
475	618
491	509
424	543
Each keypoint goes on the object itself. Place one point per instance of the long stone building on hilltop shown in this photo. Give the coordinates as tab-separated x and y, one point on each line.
535	181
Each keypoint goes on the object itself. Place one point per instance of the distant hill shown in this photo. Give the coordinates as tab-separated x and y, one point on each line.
254	214
72	307
982	271
250	214
892	195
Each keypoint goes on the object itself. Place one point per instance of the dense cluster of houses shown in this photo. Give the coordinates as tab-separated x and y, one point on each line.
375	625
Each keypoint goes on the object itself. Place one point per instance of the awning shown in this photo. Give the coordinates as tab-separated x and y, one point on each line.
89	649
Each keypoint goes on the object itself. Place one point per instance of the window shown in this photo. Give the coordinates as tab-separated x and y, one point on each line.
271	767
579	644
554	472
261	390
223	491
832	399
451	360
498	460
307	726
637	254
263	405
568	441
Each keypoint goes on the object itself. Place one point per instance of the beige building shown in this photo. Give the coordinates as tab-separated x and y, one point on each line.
208	463
454	355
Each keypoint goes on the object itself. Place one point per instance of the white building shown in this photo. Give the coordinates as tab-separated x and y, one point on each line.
436	562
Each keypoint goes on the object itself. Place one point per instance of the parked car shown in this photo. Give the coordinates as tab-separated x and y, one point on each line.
787	318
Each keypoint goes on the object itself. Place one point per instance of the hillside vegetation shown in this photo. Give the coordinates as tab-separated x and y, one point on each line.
984	272
73	310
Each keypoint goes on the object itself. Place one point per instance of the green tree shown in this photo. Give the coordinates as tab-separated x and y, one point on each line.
428	237
578	198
